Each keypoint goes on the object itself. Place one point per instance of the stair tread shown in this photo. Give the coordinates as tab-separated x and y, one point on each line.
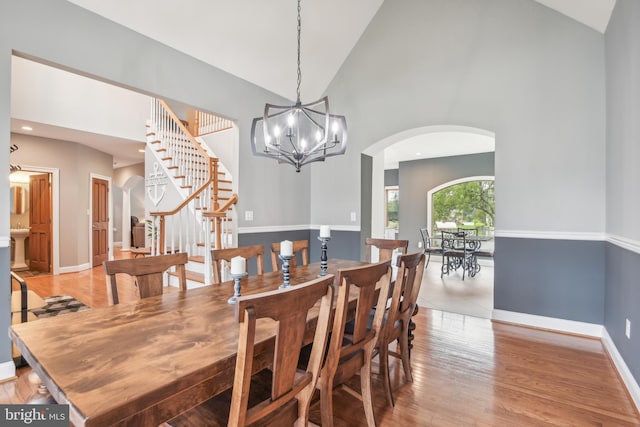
197	258
191	275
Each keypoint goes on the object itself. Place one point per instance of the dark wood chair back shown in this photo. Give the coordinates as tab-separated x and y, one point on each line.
396	327
290	308
385	247
148	273
349	355
427	245
299	247
247	252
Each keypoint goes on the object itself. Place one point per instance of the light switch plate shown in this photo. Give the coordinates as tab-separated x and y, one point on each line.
248	215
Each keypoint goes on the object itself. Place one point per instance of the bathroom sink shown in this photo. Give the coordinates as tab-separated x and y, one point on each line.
19	231
19	235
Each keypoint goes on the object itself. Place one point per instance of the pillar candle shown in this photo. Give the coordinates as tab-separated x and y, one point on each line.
238	265
286	248
325	231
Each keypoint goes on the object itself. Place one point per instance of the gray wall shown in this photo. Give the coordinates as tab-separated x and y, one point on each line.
513	67
76	162
60	33
391	177
555	278
623	181
417	177
533	77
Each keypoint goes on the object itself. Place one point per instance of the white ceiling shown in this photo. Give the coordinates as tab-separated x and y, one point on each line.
252	39
437	144
256	40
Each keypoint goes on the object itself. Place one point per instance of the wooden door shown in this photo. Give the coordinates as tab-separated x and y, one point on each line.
100	221
40	222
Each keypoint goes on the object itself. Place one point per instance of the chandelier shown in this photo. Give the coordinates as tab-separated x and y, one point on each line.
300	133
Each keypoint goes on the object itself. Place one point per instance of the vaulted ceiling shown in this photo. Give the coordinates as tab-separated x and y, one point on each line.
256	41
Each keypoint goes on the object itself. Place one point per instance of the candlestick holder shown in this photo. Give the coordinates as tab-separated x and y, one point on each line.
236	287
323	255
285	270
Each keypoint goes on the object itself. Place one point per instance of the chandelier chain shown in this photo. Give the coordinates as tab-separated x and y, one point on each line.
299	72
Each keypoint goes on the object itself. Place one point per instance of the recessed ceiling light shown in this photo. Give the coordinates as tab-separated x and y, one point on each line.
27	128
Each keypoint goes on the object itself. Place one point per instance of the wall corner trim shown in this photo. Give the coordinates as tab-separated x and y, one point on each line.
550	323
624	243
279	228
7	371
623	369
550	235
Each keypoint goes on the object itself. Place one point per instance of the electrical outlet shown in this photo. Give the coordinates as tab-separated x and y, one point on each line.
627	329
248	215
420	245
353	217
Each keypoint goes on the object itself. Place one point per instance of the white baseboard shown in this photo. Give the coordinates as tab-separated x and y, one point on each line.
551	323
7	371
623	369
75	268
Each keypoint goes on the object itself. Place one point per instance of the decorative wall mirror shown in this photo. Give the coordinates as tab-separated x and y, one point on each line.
18	202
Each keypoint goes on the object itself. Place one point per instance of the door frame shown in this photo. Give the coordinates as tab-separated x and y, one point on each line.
55	212
90	215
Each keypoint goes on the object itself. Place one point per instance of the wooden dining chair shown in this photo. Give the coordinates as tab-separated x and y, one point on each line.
351	355
289	394
385	247
299	247
398	315
148	273
218	256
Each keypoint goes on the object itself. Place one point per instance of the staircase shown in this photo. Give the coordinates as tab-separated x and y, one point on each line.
202	218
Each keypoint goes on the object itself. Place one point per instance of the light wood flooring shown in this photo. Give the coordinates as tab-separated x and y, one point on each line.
468	371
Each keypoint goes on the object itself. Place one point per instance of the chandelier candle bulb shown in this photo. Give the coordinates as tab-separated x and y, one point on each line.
325	231
286	248
238	265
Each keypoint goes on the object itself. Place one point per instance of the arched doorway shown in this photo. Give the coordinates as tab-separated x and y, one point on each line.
451	162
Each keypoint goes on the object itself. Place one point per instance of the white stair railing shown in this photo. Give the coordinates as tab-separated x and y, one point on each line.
199	222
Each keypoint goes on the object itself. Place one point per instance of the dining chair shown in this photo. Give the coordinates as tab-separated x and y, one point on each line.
23	301
351	355
385	247
299	247
287	399
398	315
219	256
427	246
148	273
455	252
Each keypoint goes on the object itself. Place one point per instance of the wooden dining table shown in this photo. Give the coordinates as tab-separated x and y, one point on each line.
143	363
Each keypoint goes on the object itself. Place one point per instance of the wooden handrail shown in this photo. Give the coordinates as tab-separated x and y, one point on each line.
192	196
222	209
177	133
184	129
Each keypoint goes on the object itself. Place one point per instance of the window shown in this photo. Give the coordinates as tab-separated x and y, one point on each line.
465	205
393	202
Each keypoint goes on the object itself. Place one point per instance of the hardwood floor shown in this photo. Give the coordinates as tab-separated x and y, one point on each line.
468	371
